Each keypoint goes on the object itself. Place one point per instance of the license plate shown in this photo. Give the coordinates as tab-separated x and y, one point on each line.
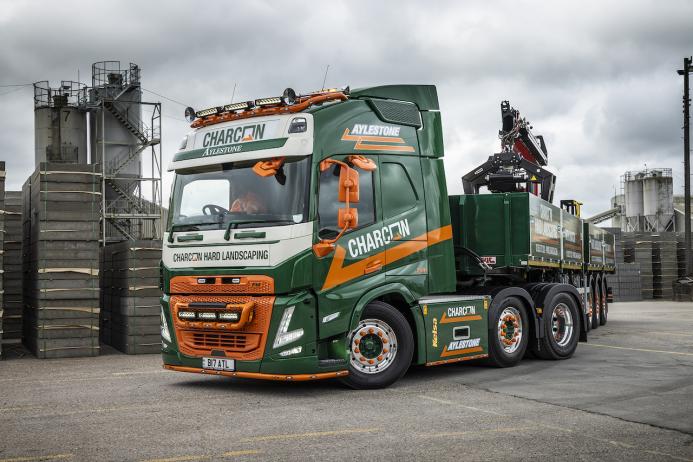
218	364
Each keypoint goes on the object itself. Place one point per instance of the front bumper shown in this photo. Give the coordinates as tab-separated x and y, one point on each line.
267	363
262	376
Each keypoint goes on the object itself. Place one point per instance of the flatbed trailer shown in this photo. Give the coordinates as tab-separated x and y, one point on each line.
312	237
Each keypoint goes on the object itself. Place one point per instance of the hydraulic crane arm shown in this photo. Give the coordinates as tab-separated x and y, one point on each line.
519	165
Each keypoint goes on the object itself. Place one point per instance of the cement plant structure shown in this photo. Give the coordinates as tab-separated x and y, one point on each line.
104	124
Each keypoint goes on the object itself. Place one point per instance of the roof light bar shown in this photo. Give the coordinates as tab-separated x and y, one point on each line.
236	106
207	112
268	101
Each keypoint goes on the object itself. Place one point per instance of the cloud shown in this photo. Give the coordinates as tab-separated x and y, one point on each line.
596	79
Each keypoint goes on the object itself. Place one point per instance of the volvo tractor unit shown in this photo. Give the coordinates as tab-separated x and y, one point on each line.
312	236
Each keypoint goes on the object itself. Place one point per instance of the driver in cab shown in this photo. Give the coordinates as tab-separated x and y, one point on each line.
248	203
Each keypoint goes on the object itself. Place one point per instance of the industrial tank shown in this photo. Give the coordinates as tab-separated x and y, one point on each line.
658	195
60	123
634	198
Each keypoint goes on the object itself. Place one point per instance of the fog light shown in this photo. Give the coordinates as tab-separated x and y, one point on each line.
291	351
186	314
207	316
232	316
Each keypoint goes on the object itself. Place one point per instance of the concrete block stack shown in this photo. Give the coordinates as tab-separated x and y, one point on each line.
643	254
666	266
131	300
12	270
625	282
61	260
681	254
2	240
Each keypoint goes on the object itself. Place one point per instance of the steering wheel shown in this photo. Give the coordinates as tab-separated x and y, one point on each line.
212	209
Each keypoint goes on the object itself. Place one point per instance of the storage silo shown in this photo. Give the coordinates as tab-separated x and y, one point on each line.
60	123
633	199
658	199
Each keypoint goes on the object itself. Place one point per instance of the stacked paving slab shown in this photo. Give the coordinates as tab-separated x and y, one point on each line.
660	257
61	260
130	320
12	270
625	282
2	240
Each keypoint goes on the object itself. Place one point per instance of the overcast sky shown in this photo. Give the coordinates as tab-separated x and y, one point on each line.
597	79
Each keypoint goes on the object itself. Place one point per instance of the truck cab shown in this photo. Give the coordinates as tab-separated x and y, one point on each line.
310	237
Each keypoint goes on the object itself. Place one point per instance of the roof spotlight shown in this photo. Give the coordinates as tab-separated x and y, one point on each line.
289	96
189	114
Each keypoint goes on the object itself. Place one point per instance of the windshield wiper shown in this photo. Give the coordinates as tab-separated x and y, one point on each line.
227	234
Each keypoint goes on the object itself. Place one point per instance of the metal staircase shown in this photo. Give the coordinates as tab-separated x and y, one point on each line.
131	201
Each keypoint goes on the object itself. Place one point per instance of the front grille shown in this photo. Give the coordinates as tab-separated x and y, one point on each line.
199	338
204	342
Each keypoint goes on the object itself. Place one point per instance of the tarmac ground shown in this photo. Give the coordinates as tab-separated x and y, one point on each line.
627	394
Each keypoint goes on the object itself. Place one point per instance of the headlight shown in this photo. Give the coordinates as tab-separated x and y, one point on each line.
283	336
165	333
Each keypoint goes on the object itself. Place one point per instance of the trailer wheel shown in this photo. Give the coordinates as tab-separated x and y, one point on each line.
604	313
508	333
380	348
561	328
596	304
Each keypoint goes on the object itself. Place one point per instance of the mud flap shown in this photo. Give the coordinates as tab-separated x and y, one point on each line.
456	328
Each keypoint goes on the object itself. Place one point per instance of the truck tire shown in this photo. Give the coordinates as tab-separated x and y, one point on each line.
604	313
380	348
508	333
596	303
561	328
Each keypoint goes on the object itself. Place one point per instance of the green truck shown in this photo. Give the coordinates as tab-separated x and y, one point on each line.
312	236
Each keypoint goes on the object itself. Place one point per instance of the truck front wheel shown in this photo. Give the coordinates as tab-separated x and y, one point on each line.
508	333
380	348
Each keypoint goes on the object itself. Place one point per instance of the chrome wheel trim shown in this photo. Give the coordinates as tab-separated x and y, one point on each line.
373	364
562	324
510	329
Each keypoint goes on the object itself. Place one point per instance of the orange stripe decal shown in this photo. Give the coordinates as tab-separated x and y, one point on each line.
445	320
360	139
339	274
460	352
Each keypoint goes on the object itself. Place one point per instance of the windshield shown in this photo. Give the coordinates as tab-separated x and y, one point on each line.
233	195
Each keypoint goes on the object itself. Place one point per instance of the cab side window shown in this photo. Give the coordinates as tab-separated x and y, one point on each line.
328	203
399	194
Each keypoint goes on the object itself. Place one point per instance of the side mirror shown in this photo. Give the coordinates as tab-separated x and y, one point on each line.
268	167
323	249
348	218
348	185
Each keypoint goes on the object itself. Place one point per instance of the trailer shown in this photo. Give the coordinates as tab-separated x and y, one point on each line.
312	236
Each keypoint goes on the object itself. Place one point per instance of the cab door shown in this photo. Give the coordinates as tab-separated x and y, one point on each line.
357	261
404	218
